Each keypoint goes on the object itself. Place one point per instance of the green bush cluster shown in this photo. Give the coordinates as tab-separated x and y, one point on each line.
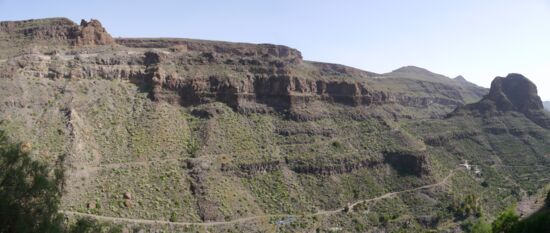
30	195
468	207
509	222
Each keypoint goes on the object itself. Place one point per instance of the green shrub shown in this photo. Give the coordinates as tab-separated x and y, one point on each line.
469	206
192	147
336	144
505	221
481	226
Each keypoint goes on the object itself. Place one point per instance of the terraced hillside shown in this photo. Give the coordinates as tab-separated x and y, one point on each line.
192	135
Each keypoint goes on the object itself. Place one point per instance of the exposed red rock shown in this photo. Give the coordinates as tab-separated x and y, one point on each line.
92	33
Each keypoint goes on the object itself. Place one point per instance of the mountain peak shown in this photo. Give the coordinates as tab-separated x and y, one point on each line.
417	73
413	69
511	93
460	78
514	92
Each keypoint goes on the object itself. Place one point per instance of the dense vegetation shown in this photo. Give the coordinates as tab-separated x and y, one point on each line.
30	196
30	192
509	222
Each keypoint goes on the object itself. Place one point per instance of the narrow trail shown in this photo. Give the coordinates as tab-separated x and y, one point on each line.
140	163
246	219
147	221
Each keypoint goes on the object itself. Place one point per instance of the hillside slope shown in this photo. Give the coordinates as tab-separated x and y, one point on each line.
247	137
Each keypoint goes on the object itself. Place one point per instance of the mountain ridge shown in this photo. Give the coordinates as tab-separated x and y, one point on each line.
192	131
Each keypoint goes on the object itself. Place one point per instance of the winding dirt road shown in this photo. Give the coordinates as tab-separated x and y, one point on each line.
247	219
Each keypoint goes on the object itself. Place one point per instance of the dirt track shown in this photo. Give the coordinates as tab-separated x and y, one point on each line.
246	219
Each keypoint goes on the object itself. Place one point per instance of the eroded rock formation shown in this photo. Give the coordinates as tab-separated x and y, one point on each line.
92	33
59	30
514	92
511	93
246	77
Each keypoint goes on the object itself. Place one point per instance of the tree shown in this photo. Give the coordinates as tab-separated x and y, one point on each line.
29	194
469	206
90	226
506	221
481	226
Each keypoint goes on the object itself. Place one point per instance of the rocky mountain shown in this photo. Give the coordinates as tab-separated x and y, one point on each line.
194	135
546	105
469	92
513	93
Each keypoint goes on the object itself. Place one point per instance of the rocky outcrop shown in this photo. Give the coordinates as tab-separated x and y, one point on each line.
252	168
513	93
53	30
341	166
59	30
279	89
220	52
327	132
282	92
444	138
92	33
247	77
407	163
261	86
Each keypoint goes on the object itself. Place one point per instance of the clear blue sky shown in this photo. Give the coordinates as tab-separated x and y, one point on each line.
473	38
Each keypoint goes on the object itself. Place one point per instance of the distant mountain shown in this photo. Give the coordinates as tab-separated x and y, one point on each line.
418	73
460	79
546	105
470	92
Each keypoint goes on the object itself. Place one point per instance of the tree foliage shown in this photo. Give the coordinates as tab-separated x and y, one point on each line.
481	226
29	191
467	207
506	221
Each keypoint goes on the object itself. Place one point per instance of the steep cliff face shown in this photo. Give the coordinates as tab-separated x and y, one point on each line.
513	93
255	87
55	29
248	78
58	30
200	131
92	33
